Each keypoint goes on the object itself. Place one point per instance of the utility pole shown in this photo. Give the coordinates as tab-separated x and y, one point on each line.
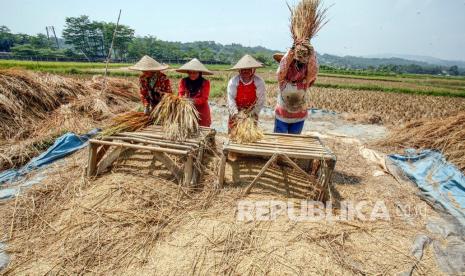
51	30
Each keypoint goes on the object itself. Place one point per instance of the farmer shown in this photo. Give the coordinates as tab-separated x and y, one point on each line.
196	88
246	91
296	73
153	83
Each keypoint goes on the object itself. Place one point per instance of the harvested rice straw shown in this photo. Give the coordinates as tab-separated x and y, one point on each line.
444	134
178	117
129	121
246	129
307	18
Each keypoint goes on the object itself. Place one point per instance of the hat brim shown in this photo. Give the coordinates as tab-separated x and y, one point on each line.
278	57
207	73
243	68
162	68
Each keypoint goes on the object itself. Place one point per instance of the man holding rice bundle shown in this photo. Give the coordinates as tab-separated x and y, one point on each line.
246	91
197	89
298	68
153	83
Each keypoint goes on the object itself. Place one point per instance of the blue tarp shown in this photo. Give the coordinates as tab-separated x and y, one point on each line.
63	146
440	182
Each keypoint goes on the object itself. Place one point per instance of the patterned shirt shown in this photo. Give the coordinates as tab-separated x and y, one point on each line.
302	78
152	87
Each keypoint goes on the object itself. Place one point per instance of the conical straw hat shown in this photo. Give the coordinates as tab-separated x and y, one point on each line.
194	65
147	63
247	62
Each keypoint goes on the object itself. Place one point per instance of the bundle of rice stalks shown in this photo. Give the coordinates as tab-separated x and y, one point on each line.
246	129
307	18
129	121
446	135
178	117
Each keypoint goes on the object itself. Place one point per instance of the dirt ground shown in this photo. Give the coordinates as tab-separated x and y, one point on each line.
135	220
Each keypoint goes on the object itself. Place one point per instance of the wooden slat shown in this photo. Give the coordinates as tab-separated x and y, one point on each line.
285	146
318	152
148	141
263	152
132	146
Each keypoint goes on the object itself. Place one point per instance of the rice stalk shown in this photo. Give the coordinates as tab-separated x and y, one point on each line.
177	116
127	122
307	18
246	129
446	135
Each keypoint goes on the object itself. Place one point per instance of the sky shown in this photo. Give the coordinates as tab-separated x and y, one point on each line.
356	27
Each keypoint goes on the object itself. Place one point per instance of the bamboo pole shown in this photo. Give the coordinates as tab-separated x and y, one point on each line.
156	149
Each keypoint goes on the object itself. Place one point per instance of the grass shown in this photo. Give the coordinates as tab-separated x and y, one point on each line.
414	84
432	92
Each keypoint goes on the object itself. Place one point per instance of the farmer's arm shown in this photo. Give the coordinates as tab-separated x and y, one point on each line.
144	92
284	67
232	92
261	95
182	88
202	97
312	71
166	87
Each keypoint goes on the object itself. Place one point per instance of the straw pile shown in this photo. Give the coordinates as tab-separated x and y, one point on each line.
178	117
71	226
27	97
307	18
246	129
446	135
36	108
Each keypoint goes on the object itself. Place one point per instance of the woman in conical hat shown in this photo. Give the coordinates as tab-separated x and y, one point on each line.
196	88
153	83
246	91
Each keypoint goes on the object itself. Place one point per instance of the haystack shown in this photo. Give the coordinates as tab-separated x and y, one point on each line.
36	108
446	135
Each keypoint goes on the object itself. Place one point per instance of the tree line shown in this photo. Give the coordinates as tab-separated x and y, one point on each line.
85	39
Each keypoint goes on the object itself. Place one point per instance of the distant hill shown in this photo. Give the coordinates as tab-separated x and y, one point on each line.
425	59
353	62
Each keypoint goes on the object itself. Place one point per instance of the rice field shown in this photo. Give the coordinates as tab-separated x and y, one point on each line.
134	221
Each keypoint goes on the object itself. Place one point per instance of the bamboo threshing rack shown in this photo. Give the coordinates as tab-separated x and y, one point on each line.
151	139
287	148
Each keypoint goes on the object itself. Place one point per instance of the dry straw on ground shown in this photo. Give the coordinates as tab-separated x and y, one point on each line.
178	117
246	129
35	108
446	135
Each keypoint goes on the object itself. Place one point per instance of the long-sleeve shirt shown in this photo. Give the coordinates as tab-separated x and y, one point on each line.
200	100
260	94
287	71
292	77
150	88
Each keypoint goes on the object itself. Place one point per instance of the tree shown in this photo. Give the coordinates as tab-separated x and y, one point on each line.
93	38
6	39
124	36
454	70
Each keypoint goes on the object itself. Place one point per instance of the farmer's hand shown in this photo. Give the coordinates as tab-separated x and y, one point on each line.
147	109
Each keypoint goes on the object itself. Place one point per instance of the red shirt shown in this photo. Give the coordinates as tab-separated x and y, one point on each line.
200	101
